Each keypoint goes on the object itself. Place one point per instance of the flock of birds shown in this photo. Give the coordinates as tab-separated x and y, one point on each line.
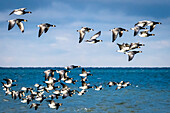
54	88
125	48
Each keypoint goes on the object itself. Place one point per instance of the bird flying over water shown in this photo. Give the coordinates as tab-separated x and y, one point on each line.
131	54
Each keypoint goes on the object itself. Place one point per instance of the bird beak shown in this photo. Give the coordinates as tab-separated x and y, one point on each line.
25	20
153	34
29	12
54	26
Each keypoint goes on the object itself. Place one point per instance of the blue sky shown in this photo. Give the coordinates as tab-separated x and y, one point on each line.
60	47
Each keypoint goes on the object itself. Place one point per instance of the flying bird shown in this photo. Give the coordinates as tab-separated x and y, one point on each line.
123	47
131	54
116	32
152	24
93	39
18	22
20	11
44	28
82	32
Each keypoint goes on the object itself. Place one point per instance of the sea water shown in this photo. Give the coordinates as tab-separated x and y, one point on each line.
149	92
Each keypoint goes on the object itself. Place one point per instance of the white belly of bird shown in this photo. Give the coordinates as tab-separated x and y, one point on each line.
18	13
83	75
52	106
143	35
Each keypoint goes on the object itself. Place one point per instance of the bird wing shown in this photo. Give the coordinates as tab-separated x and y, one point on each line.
11	24
136	31
41	31
114	35
95	35
46	29
12	12
120	33
120	46
152	27
21	26
22	9
131	55
82	34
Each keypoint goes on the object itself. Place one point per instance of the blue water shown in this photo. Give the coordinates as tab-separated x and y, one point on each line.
149	92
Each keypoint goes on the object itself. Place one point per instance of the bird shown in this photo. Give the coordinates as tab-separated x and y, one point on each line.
145	34
85	73
82	32
20	11
85	85
152	24
137	29
18	22
117	31
98	88
71	67
131	54
93	38
70	80
53	104
62	74
40	98
123	47
44	28
82	92
35	105
111	83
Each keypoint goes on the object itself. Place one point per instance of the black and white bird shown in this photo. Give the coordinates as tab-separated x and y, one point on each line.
71	67
85	73
145	34
116	32
152	24
111	83
18	22
53	104
82	32
44	28
131	54
93	39
35	105
20	11
123	47
98	88
82	92
62	74
137	29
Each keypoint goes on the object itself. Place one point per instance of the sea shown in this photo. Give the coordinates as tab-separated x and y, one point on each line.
149	91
